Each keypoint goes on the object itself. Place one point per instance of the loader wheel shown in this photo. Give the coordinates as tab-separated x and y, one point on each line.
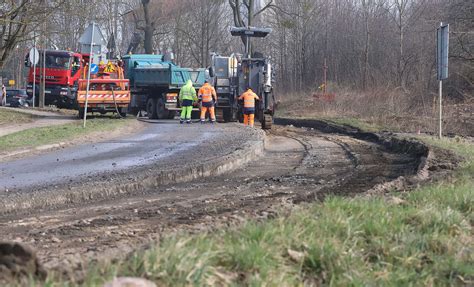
123	112
267	122
161	111
151	108
219	115
227	115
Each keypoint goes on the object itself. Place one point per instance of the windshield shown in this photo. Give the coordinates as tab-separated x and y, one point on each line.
16	92
56	61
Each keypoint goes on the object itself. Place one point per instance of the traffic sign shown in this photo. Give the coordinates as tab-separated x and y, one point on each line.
94	69
34	56
442	51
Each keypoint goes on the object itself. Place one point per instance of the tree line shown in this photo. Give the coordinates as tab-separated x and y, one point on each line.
364	44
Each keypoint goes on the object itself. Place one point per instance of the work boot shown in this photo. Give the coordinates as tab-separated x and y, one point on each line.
181	121
203	122
188	122
213	122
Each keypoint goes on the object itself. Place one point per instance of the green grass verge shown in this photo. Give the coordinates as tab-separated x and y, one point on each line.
346	121
54	134
13	117
356	123
424	239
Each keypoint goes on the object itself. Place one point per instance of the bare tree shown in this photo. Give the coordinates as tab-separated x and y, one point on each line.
18	19
245	10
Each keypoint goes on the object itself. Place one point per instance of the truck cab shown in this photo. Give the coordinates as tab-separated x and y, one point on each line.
62	72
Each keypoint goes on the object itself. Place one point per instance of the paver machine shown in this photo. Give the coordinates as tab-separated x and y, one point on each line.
232	75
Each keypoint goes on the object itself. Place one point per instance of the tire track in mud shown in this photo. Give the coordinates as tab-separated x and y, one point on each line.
298	165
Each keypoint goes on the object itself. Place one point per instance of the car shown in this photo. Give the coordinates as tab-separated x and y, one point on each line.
18	98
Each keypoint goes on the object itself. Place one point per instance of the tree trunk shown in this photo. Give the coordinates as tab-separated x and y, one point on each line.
149	28
366	52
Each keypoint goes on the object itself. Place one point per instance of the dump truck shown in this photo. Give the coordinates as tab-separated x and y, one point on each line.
155	82
109	91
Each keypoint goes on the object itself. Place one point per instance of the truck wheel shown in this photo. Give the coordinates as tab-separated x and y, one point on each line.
151	108
123	112
267	122
80	113
161	111
171	115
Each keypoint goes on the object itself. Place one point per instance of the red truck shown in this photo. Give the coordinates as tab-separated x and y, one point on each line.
63	70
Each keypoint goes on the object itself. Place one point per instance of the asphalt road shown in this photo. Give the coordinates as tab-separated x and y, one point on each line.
159	141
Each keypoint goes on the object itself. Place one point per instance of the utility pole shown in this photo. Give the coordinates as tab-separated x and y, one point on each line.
43	77
34	69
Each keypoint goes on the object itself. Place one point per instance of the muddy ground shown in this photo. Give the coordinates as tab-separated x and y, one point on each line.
297	165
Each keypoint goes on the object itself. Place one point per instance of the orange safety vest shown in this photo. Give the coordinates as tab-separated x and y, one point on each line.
249	98
207	92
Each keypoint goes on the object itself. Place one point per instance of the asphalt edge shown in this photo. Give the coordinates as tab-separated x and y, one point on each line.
97	191
426	160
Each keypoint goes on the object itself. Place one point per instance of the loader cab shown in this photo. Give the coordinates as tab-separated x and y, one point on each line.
223	73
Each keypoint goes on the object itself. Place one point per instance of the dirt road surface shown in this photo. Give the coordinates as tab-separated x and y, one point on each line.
297	165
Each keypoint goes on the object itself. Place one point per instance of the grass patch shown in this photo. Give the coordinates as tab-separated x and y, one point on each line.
8	117
356	123
54	134
425	240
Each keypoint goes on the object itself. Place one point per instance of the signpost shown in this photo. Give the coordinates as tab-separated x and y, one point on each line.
34	58
91	57
442	53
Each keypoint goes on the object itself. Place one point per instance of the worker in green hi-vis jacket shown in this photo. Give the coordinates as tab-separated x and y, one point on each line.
187	98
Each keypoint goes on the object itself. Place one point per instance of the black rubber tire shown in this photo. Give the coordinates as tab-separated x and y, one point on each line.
151	108
240	115
123	112
267	122
219	115
171	115
227	115
80	113
161	111
196	115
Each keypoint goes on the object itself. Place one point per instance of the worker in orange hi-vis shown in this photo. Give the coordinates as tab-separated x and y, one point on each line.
208	97
249	98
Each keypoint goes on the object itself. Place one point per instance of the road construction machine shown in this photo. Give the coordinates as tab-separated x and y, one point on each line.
109	91
232	75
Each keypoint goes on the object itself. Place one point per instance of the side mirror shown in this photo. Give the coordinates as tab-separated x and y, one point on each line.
27	61
211	72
